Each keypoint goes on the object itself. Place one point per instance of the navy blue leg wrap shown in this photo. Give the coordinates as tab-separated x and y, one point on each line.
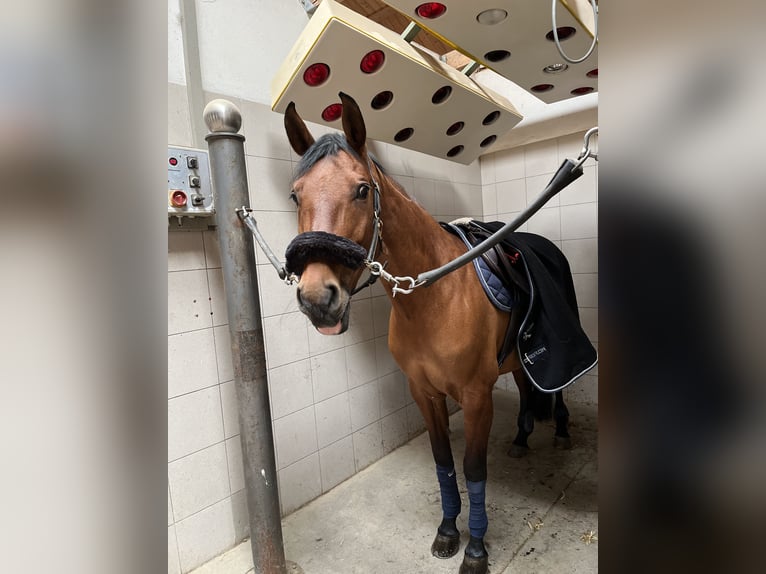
477	518
450	495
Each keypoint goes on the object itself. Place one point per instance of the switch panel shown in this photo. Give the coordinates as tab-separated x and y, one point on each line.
190	191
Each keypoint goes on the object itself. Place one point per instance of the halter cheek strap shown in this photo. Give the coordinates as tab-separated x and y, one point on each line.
377	225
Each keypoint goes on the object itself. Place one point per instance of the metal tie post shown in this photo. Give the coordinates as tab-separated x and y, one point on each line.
227	167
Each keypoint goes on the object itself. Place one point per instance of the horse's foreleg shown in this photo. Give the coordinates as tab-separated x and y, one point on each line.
477	411
436	416
561	416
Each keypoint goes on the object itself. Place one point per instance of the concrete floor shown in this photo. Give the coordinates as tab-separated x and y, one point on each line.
542	509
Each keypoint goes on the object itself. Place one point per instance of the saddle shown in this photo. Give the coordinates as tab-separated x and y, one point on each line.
528	276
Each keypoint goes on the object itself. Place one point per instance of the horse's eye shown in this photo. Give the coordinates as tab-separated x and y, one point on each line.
362	191
294	197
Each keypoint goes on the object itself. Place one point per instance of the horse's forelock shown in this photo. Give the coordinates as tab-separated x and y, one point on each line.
326	145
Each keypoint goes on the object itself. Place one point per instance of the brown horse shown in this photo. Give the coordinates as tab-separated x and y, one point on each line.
445	337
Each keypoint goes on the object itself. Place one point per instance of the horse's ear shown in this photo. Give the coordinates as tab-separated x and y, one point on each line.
353	124
297	132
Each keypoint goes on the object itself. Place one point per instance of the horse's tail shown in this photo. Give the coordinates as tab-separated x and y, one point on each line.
541	404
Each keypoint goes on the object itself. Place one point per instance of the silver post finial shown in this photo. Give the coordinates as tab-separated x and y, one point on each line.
222	116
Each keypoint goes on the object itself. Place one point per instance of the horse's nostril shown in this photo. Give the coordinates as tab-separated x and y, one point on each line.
333	293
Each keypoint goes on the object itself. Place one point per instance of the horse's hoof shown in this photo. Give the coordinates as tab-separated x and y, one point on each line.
562	442
445	546
518	451
476	558
474	565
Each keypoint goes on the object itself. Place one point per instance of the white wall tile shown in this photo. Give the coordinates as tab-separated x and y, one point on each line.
407	182
468	200
264	132
541	157
393	393
276	297
361	363
222	339
336	462
586	288
385	361
364	403
445	198
506	217
202	536
291	388
589	322
286	339
217	297
546	222
535	186
235	469
269	182
300	483
240	516
394	430
398	161
188	304
333	418
368	445
582	254
511	195
569	146
174	566
415	422
381	313
191	362
460	173
319	343
328	374
279	228
194	422
198	480
295	436
212	249
361	326
579	221
185	251
487	164
229	407
424	191
582	190
489	200
509	164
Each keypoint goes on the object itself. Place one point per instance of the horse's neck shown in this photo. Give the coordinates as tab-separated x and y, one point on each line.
413	242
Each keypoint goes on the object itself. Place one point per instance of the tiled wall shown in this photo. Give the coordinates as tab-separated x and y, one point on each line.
512	179
338	403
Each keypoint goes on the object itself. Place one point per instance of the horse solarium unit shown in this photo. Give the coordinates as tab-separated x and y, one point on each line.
408	97
515	39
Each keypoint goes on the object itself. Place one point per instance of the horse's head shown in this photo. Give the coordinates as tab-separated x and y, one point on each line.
334	191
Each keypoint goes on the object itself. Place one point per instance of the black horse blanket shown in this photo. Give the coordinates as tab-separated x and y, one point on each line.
554	349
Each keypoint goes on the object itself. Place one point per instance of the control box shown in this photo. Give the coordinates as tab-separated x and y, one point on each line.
190	190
